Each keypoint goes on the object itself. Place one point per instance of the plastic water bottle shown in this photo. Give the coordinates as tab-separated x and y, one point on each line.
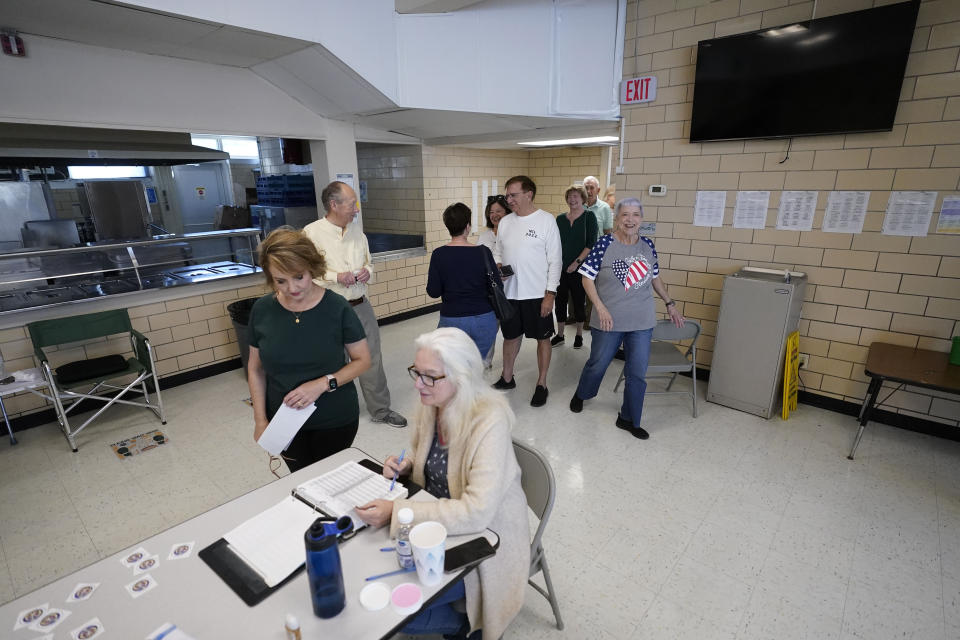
324	571
404	550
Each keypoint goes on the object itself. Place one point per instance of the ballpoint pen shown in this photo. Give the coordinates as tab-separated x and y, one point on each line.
396	474
390	573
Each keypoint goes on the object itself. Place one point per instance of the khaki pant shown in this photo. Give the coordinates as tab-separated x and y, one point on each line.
373	383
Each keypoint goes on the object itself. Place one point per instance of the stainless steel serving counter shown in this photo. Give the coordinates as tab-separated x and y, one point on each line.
35	278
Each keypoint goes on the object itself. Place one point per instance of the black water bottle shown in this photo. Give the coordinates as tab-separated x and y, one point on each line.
324	571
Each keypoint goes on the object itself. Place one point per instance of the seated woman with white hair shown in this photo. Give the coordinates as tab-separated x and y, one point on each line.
463	455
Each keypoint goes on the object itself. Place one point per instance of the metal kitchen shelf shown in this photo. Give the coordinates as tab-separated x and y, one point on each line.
34	278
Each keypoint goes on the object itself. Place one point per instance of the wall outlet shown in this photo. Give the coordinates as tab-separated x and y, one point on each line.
802	360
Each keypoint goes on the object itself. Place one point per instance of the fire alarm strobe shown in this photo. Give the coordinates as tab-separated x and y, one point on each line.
658	189
12	44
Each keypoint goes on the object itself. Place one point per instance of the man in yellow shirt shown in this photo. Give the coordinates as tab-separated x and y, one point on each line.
347	254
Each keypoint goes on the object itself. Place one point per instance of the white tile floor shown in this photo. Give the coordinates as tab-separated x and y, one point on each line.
724	526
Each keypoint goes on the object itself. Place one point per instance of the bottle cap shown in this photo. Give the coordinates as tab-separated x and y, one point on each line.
405	515
406	598
292	622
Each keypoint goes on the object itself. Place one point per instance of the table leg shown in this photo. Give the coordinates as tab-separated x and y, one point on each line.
13	440
868	401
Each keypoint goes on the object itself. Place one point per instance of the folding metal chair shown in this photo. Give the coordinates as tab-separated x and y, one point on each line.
541	490
667	360
65	391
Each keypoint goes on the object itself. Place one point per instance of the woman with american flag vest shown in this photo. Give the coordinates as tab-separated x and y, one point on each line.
620	274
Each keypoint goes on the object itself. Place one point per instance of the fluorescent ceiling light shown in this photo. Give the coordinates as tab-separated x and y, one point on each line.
105	173
569	141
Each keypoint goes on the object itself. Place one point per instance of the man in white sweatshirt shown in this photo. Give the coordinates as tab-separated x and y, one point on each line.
528	241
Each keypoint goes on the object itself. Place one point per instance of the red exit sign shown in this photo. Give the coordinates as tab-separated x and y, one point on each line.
636	90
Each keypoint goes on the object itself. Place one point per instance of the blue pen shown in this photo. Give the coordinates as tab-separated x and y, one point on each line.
391	573
397	474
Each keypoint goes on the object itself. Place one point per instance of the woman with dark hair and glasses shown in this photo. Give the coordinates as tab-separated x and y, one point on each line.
458	276
299	335
462	453
496	209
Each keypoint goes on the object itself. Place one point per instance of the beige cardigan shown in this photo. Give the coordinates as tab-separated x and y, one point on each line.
484	481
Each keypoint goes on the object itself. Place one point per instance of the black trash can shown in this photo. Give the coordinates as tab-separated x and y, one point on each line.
240	316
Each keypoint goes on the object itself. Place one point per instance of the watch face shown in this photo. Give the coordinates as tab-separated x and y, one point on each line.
332	383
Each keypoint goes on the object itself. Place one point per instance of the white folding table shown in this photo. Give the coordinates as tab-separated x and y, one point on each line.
25	380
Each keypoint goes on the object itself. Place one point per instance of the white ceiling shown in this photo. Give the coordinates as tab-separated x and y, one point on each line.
305	70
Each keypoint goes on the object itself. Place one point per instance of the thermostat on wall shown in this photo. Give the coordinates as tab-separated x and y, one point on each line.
658	189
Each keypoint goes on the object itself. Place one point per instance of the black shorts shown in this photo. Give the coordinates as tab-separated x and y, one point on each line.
527	321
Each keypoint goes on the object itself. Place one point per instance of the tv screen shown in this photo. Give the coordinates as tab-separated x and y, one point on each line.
837	74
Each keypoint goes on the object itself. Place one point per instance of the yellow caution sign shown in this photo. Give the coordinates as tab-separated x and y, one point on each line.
791	374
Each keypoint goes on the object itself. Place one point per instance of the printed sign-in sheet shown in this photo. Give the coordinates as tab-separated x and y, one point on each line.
796	210
708	211
949	221
909	213
846	211
751	209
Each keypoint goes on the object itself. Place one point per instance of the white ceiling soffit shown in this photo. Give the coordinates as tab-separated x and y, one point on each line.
431	6
321	82
106	24
465	128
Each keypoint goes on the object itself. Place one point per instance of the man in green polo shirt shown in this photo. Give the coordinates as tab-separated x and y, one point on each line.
604	215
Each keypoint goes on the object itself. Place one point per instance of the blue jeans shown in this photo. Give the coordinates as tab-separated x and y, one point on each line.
439	617
482	329
603	346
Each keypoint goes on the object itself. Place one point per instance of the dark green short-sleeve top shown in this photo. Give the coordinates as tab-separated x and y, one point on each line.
294	352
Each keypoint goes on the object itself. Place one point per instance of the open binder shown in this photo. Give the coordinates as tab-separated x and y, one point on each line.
265	552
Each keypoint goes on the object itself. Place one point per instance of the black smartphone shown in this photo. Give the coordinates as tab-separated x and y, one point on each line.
467	554
506	271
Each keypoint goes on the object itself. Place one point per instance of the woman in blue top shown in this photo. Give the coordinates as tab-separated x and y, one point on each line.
458	276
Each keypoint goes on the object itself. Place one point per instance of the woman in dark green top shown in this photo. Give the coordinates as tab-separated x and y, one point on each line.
578	233
299	337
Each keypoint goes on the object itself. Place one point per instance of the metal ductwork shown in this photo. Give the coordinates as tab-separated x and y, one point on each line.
39	145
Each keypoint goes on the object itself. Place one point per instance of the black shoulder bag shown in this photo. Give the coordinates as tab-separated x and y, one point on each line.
498	299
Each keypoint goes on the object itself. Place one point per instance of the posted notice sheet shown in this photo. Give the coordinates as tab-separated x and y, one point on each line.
796	210
751	209
949	221
708	211
909	213
846	211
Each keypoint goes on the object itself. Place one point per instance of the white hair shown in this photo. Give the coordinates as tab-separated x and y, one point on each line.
591	178
463	368
628	202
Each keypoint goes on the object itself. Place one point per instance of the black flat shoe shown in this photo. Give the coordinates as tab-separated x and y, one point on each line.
578	342
627	425
556	341
539	396
576	403
503	384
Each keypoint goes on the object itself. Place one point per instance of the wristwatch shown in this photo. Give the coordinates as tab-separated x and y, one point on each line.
672	303
331	382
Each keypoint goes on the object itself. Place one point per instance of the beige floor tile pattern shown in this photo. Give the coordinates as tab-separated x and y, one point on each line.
724	526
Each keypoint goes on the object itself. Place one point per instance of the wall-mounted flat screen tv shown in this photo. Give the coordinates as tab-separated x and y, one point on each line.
837	74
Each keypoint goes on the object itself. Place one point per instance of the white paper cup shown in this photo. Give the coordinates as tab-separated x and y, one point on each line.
428	540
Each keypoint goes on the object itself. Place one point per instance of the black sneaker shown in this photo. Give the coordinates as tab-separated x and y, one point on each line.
627	425
576	403
503	384
620	355
539	396
557	340
578	342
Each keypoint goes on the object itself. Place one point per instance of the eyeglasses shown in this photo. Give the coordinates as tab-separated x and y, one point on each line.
513	196
427	379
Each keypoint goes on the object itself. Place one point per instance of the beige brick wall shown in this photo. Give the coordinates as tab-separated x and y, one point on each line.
448	176
394	177
864	287
187	333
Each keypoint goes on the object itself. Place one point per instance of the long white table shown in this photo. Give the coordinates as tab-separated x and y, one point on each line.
190	595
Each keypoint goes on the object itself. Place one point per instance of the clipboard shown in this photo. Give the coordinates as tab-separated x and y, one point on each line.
247	583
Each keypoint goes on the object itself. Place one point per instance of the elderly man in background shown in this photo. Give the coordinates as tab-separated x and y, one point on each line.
347	255
604	215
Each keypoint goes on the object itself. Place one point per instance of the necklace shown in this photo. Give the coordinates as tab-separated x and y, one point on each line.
296	315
